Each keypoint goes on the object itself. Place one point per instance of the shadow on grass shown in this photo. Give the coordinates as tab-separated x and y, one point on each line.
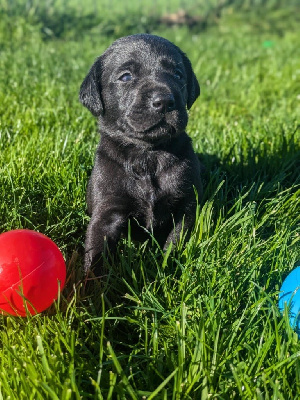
264	180
259	173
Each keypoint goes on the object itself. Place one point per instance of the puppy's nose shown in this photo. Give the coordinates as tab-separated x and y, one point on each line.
163	102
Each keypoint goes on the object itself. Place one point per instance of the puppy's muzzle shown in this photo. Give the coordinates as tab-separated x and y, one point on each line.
163	102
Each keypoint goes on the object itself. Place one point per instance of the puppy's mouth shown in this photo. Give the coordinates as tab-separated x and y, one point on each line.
164	128
159	131
160	126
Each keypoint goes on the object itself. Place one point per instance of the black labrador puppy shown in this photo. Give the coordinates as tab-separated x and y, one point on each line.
145	168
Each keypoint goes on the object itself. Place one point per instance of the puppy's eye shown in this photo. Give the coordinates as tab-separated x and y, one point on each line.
126	77
178	74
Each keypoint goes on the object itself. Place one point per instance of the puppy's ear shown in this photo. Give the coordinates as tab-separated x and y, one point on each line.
193	87
90	91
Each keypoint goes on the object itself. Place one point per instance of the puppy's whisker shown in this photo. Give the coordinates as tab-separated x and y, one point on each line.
182	87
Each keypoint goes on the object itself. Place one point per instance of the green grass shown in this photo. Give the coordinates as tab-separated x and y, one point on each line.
201	320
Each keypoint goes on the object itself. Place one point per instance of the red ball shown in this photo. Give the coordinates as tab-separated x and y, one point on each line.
32	272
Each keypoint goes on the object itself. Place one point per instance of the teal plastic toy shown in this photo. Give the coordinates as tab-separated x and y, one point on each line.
290	295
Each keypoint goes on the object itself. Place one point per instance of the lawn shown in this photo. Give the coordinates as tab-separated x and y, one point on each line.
200	320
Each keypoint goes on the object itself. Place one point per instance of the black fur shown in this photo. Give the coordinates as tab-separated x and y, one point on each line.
145	168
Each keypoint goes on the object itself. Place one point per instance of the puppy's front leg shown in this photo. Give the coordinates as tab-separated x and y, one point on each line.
183	223
104	229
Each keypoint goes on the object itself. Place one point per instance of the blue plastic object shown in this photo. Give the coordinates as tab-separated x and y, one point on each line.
290	295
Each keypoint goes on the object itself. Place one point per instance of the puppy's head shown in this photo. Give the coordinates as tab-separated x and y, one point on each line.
140	88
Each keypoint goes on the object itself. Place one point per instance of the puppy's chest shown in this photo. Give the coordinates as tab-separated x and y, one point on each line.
157	180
